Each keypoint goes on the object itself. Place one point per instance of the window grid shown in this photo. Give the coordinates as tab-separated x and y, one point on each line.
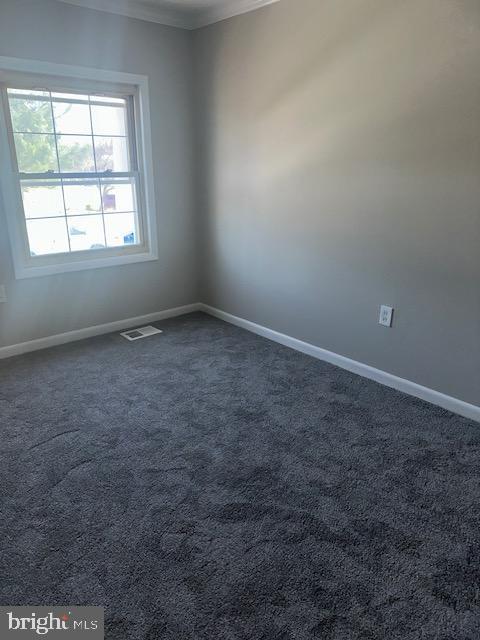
96	171
58	165
130	177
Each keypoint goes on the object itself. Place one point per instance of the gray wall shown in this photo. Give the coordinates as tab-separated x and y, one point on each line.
58	32
337	168
339	155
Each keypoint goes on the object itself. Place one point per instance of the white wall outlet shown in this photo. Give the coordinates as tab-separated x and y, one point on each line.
3	293
386	316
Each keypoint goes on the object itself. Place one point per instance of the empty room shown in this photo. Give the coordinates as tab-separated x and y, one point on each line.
240	319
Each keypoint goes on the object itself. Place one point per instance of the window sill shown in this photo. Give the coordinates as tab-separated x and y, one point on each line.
38	270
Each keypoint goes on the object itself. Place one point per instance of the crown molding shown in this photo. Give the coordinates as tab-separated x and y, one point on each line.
167	14
140	10
216	14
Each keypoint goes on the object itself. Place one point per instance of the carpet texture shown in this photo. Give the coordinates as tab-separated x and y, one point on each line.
207	484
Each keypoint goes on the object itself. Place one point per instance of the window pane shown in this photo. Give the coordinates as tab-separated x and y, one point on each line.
82	196
121	229
47	236
31	115
72	118
75	154
68	133
108	121
86	232
42	199
118	195
35	152
111	154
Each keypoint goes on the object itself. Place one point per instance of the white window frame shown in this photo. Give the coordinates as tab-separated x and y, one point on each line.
18	70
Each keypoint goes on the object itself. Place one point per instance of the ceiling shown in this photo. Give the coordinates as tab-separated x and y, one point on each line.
188	14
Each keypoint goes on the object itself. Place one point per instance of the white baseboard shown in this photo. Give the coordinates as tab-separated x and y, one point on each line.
412	388
97	330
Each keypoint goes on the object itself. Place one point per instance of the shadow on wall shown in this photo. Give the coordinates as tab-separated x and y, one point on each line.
339	169
293	115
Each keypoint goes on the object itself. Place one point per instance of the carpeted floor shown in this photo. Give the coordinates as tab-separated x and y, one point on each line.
208	484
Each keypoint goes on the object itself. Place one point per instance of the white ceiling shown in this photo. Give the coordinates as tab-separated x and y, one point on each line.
188	14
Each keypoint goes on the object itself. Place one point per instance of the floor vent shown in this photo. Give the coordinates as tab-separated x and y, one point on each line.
138	334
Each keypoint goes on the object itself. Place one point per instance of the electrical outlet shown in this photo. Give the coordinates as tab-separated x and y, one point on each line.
3	293
386	316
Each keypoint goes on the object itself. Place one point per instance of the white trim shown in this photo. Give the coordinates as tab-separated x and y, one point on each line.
219	13
145	184
27	65
138	9
162	13
97	330
406	386
455	405
90	262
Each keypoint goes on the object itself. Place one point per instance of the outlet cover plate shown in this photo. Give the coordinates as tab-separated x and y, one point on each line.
386	316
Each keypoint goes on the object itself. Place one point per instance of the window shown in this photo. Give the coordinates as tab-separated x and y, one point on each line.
76	166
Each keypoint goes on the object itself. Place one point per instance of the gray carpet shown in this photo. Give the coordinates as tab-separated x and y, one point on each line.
208	484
